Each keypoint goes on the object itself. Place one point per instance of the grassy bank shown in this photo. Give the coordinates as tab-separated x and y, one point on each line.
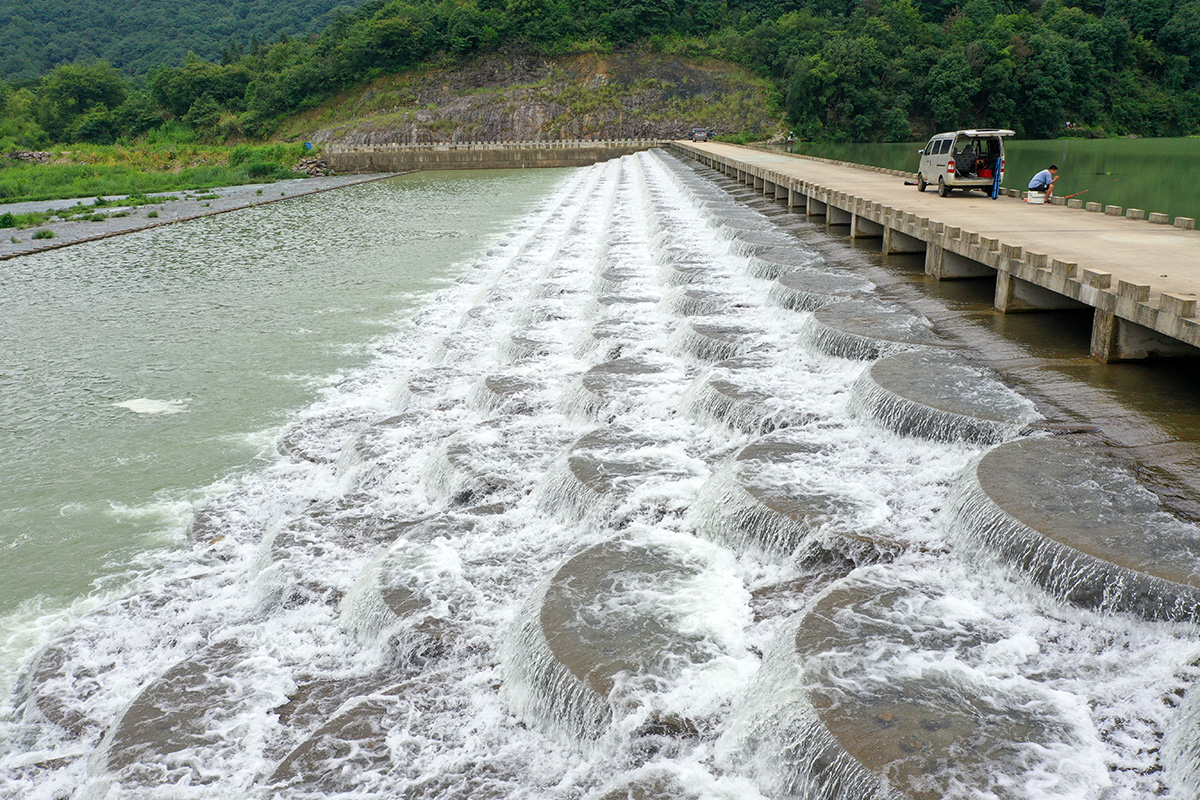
94	170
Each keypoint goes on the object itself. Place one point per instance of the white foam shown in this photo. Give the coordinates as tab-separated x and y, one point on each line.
144	405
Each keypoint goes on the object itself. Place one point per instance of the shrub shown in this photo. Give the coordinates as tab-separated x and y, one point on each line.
7	220
43	235
261	169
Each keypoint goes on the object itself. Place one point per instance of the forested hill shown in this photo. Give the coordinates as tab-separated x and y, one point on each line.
137	35
849	70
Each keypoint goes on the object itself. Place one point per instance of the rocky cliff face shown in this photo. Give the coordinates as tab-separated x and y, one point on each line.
520	98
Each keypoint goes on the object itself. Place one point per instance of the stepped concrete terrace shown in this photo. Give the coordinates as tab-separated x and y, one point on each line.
1137	272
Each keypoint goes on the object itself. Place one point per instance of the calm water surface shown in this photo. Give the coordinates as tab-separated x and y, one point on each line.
136	371
1150	174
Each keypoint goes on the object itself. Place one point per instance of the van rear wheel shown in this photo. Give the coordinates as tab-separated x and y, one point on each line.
943	189
921	184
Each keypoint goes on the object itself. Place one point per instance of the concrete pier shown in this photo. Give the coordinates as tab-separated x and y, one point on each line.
1139	275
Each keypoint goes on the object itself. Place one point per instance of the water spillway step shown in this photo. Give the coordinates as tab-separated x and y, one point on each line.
608	303
772	262
58	686
736	225
650	785
408	592
747	243
601	467
353	741
520	346
1181	746
363	460
502	393
607	339
723	212
593	391
353	753
426	387
470	468
728	396
615	279
712	341
866	330
1080	525
172	731
773	498
810	290
320	437
609	619
679	272
690	301
939	396
869	695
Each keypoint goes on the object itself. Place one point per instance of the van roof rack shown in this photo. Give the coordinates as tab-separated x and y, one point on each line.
987	132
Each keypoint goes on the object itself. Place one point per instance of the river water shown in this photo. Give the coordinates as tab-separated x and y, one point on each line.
373	399
1150	174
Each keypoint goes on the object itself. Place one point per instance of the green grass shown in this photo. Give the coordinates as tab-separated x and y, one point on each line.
93	171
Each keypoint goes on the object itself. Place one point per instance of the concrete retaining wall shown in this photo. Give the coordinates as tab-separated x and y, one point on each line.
480	155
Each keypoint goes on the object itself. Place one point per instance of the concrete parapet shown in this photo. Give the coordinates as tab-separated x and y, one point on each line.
1058	201
1114	211
1135	213
1139	292
1177	305
1187	223
1097	280
1093	207
1066	269
1012	251
1074	203
1158	218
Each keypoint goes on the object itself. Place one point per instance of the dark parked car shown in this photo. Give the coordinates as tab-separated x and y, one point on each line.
701	134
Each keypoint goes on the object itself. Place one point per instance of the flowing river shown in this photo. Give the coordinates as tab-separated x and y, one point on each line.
434	487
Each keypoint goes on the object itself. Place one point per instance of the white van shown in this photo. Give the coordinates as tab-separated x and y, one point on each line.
967	159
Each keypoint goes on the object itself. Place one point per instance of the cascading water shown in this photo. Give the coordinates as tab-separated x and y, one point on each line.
399	605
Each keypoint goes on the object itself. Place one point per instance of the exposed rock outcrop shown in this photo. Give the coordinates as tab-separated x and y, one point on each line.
523	98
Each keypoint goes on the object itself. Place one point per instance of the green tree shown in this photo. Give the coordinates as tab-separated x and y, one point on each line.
73	90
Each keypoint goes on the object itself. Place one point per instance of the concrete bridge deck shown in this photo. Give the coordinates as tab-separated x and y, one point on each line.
1140	275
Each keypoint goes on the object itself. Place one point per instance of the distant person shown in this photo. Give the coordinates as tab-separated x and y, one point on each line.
791	138
1044	181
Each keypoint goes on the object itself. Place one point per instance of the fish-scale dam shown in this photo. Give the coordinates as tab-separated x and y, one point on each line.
671	495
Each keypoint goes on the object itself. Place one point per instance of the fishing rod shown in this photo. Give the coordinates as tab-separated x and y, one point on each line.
1114	180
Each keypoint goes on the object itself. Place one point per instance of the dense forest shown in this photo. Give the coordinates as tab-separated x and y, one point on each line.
136	37
868	70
